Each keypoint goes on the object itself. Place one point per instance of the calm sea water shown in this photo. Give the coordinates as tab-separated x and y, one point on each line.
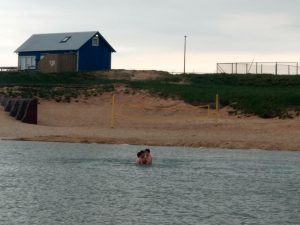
54	183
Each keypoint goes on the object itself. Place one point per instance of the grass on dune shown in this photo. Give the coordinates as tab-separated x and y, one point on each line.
267	96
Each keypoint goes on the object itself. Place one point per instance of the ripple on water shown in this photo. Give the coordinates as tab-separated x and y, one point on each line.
55	183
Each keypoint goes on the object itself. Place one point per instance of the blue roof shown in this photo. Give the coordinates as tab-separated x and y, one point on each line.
55	42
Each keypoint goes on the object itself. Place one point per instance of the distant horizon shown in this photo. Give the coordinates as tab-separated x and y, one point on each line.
187	71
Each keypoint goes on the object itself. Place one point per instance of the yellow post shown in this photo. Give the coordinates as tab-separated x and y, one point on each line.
112	121
217	103
217	109
208	108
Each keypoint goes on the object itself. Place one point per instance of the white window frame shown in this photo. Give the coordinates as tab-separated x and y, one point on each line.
65	39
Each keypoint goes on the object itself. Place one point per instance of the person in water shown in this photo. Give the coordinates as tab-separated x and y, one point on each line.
148	157
144	157
140	158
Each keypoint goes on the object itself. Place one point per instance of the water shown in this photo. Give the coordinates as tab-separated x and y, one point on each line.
54	183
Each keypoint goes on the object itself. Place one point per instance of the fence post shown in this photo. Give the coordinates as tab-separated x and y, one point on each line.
276	69
256	67
112	121
217	109
208	109
297	70
236	68
231	68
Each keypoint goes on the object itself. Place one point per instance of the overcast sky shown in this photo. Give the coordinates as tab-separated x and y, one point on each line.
149	34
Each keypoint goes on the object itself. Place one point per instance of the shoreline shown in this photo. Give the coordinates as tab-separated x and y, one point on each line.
136	142
115	142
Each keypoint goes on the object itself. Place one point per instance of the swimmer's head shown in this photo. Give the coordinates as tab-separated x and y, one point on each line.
140	154
147	152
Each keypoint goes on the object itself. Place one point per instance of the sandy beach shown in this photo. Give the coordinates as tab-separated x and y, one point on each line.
142	119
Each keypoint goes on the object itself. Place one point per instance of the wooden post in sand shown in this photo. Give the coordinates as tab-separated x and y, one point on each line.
208	109
217	109
112	121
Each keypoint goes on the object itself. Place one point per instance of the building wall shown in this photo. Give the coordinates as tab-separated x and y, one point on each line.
39	55
56	63
94	57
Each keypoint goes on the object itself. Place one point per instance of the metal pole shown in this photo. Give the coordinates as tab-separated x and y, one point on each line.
256	68
276	72
297	70
184	57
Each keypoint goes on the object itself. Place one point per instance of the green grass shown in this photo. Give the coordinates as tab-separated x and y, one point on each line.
59	87
55	79
267	96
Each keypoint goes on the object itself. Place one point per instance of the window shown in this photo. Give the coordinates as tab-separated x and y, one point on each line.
65	39
27	62
95	41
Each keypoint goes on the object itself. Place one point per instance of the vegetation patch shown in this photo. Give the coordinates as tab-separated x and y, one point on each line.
267	96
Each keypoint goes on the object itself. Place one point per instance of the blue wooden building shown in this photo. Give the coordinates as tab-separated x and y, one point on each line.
57	52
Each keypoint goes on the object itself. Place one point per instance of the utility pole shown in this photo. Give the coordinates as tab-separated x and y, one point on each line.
184	56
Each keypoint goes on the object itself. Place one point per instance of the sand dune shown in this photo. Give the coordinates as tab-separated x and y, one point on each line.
146	120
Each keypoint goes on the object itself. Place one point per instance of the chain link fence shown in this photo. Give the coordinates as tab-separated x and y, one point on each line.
276	68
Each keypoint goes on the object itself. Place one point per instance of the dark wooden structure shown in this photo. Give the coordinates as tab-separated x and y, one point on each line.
24	110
